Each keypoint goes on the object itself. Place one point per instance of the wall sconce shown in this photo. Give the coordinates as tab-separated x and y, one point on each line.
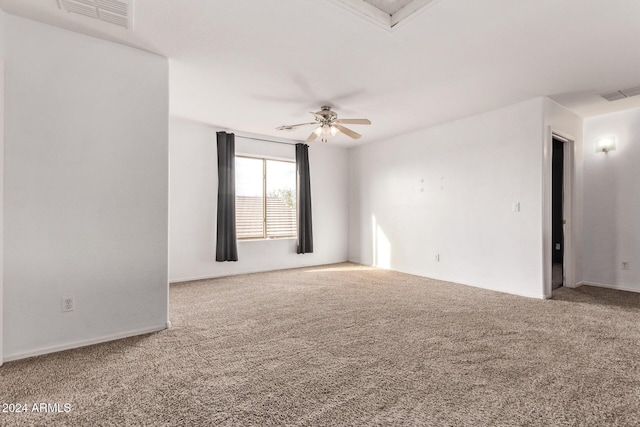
605	144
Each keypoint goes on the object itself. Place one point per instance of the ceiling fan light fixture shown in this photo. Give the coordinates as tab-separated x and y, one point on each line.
328	130
327	125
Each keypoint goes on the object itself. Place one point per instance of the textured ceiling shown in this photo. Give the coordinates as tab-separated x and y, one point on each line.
253	65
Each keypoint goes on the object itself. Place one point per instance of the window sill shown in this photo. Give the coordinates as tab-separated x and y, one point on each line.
268	239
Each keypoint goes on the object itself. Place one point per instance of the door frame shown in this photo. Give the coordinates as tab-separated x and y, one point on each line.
568	209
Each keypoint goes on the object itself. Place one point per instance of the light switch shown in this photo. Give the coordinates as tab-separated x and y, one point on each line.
516	207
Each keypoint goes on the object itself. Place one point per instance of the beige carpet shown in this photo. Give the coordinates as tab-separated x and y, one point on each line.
350	345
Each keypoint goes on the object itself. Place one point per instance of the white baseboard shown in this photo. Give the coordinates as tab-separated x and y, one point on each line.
82	343
249	271
355	260
604	285
494	289
205	277
413	272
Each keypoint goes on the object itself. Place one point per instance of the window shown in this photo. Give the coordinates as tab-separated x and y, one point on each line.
265	198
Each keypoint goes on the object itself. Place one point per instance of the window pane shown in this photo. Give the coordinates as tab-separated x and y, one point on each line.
249	199
281	199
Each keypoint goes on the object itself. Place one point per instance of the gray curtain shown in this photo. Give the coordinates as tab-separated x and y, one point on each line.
305	231
226	245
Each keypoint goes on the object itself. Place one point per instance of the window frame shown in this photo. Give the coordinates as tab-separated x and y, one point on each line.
264	160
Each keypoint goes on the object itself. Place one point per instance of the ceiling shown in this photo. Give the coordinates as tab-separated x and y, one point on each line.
253	65
389	6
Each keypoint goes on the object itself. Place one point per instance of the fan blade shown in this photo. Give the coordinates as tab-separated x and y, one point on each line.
289	127
354	121
312	137
348	132
317	116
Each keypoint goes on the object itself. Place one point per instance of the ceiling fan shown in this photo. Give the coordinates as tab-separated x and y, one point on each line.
328	125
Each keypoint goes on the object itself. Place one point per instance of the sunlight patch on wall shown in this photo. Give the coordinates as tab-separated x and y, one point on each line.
381	246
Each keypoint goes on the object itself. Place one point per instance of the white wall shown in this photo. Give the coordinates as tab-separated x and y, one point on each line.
612	202
86	189
2	42
194	186
449	190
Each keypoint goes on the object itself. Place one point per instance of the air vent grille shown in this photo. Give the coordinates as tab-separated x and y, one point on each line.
114	18
115	6
613	96
112	11
622	94
631	91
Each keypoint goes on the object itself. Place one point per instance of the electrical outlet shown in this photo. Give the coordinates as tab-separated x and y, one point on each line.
625	265
437	257
68	304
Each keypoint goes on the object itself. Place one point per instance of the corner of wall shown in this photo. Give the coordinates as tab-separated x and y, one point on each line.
2	38
353	206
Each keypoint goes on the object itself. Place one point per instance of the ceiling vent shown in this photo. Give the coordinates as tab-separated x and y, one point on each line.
632	91
117	12
622	94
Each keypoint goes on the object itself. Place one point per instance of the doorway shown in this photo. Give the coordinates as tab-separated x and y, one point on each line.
557	214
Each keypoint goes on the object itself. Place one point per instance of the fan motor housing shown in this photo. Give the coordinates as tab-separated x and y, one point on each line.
329	116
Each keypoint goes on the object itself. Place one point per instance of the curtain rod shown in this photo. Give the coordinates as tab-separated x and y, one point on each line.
266	140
